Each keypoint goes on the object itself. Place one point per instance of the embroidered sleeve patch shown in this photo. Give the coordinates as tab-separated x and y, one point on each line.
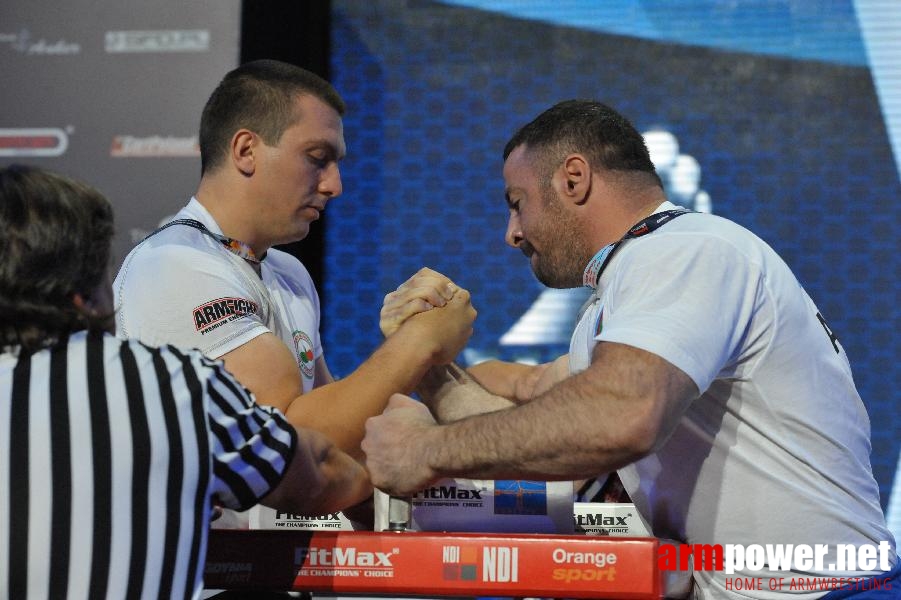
216	313
303	347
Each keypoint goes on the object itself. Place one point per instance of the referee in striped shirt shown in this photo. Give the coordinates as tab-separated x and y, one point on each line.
113	453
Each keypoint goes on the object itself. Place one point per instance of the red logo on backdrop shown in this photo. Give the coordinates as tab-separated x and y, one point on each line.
47	141
130	146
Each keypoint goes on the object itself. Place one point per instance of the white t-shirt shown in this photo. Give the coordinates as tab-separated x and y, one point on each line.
776	449
182	287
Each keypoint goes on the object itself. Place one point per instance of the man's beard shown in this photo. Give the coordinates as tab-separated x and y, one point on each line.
563	260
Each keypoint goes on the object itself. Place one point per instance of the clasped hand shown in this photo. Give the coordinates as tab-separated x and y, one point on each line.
398	444
438	312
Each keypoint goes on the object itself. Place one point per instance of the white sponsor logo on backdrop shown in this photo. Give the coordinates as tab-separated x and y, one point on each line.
22	41
47	141
162	40
127	146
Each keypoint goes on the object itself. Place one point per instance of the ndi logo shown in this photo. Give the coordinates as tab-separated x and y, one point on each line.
500	564
460	563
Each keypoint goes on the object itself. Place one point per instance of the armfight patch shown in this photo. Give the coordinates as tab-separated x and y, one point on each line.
216	313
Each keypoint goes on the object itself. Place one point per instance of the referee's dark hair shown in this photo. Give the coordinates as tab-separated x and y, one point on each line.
259	96
55	237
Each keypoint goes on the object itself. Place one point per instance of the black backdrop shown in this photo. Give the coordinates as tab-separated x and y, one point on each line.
297	33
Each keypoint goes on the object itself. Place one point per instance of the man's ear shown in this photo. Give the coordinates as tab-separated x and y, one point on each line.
79	301
243	146
98	301
100	306
573	179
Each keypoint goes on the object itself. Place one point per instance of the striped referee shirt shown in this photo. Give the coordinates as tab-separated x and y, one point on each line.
111	453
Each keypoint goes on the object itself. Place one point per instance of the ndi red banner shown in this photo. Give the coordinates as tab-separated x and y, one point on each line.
419	563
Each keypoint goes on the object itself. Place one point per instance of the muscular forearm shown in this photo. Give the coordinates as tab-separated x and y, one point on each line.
503	378
320	478
547	439
519	382
346	483
596	421
340	409
618	410
451	394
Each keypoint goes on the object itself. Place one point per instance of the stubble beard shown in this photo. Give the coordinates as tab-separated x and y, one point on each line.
561	263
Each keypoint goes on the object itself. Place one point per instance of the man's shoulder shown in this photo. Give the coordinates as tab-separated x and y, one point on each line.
175	239
693	246
176	249
162	284
701	223
287	265
701	232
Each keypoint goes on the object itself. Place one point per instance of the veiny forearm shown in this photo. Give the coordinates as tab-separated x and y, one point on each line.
557	436
612	414
519	382
451	394
500	377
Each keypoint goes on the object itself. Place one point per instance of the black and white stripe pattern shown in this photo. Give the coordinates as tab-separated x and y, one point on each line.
110	453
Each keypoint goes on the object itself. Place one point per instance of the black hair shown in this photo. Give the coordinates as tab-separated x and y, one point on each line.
55	237
259	95
604	136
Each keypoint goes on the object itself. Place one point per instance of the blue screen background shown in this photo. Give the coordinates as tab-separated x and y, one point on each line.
778	108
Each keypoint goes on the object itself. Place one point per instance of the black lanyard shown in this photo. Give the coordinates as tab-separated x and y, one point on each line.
599	262
235	246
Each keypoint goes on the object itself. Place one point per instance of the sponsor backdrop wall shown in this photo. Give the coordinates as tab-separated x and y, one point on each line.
782	113
111	93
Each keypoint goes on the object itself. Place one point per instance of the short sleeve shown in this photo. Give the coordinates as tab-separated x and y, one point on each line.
252	445
187	297
685	299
